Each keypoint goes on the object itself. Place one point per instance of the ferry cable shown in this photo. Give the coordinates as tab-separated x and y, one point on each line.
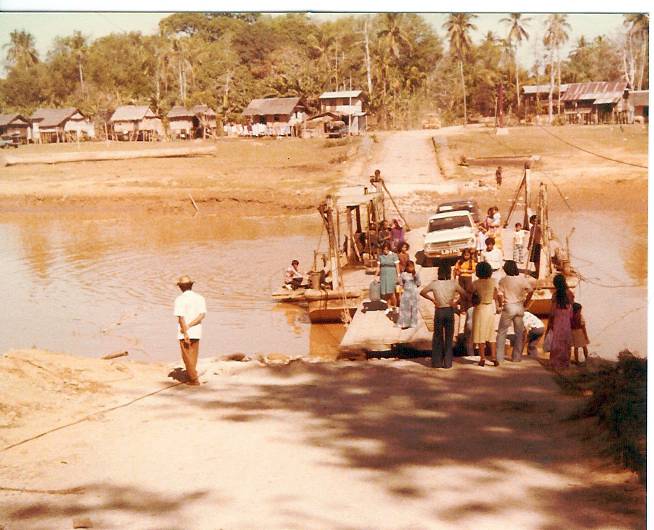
591	152
606	285
90	416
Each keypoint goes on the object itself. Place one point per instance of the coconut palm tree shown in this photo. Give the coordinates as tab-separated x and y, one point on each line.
77	46
556	35
517	33
320	46
393	32
638	25
458	27
21	49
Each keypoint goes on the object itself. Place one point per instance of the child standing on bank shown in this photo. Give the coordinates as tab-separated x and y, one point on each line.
519	244
579	334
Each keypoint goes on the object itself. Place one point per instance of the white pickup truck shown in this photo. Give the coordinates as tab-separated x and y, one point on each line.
448	233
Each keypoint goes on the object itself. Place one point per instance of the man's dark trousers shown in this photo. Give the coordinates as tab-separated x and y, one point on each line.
441	344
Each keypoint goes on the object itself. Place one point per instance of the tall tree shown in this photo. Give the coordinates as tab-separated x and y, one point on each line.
20	49
458	27
517	33
638	30
77	46
556	27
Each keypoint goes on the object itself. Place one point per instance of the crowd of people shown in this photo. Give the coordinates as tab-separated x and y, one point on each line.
481	285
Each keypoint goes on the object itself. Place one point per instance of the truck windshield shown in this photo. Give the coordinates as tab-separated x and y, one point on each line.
447	223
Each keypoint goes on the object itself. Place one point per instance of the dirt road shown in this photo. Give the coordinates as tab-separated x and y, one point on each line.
407	162
383	444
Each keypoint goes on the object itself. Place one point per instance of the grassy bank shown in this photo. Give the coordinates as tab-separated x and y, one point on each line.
284	171
627	142
618	400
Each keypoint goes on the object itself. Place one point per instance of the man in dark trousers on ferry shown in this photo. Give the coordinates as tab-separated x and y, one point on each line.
535	243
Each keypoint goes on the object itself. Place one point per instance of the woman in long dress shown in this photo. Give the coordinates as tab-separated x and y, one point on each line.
483	316
559	323
409	299
388	270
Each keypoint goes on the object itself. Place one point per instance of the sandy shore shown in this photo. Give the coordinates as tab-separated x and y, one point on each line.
381	444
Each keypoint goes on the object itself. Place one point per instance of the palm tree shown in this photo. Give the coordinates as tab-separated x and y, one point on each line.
393	32
21	48
77	46
458	27
320	46
517	33
555	36
638	24
394	41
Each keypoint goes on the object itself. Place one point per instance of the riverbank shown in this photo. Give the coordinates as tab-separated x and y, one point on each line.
258	175
384	444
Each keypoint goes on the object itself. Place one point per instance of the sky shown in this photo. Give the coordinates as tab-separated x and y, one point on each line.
46	26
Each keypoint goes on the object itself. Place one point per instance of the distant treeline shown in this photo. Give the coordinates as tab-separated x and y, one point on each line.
405	67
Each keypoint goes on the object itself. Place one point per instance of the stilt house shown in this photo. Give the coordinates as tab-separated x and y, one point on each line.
280	116
15	125
348	104
135	122
61	125
198	122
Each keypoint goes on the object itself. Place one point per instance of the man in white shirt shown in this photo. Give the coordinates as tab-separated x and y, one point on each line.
534	329
190	310
493	256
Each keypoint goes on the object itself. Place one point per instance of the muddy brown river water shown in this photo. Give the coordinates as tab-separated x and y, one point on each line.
91	286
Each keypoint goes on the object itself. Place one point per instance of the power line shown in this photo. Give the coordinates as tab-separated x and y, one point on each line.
590	152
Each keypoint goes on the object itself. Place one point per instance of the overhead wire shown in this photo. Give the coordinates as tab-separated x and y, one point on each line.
589	151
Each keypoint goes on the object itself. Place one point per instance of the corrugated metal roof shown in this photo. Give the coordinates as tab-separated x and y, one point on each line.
543	89
341	94
132	113
594	90
606	100
53	117
262	107
204	110
639	98
179	112
6	119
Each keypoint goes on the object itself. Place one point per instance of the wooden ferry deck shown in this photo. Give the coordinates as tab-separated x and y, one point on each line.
373	331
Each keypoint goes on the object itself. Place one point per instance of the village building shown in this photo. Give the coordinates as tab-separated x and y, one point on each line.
319	124
61	125
640	102
348	104
535	98
135	122
15	125
198	122
597	102
207	121
275	116
583	103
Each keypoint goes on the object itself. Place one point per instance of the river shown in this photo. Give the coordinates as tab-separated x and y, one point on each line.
91	285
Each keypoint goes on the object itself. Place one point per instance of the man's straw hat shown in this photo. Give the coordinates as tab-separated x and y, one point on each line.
184	280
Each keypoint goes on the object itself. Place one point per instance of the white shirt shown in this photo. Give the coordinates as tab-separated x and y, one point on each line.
519	238
189	305
494	258
532	321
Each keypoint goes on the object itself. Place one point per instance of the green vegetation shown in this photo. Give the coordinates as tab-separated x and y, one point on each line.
618	399
400	61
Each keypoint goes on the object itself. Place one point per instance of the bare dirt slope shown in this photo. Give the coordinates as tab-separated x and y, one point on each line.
407	162
383	444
